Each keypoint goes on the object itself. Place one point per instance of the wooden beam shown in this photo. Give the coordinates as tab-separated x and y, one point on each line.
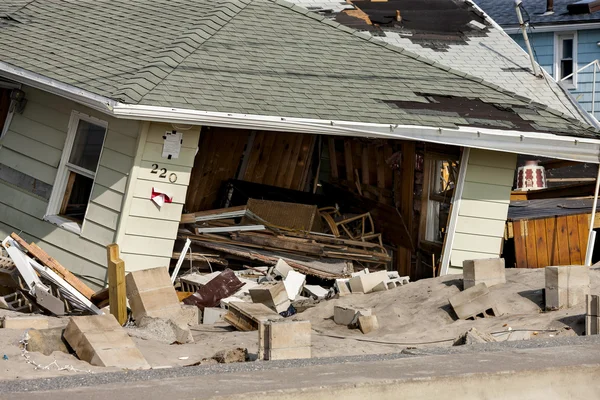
404	261
332	157
116	284
37	252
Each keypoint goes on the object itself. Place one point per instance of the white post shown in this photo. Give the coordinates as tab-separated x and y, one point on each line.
592	234
186	247
524	31
594	91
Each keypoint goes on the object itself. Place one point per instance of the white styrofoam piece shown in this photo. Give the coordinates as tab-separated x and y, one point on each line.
316	291
294	284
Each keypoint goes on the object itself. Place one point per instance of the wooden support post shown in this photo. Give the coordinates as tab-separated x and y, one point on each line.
406	206
116	284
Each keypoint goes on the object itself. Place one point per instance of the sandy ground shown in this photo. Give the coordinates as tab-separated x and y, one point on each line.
414	315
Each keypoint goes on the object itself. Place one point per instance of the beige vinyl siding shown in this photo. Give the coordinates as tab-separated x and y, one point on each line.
149	231
33	145
483	207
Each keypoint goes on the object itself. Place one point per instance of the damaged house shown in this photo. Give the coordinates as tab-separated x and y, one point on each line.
119	117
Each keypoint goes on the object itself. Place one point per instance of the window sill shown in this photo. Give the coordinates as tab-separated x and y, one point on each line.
64	223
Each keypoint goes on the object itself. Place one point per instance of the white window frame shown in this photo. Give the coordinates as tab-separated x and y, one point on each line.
11	107
62	175
558	38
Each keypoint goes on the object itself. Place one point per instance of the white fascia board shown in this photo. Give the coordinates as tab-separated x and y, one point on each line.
46	84
555	28
532	143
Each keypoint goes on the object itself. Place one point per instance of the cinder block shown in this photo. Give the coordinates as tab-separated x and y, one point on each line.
592	305
100	340
365	283
475	301
490	271
294	282
27	322
566	286
151	293
284	339
212	315
348	315
273	295
368	323
592	325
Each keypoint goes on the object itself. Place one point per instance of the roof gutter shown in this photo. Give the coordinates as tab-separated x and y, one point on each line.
511	30
533	143
70	92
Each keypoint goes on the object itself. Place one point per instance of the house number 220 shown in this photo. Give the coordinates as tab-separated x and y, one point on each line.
163	173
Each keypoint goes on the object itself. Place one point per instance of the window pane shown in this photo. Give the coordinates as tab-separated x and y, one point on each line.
77	196
87	145
566	68
567	48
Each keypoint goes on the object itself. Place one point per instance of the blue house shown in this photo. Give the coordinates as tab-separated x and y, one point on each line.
565	37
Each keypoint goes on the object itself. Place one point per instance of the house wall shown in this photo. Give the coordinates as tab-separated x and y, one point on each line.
587	51
33	147
483	207
147	233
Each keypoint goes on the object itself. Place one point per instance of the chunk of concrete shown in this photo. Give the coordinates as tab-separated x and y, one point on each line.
239	354
473	302
566	286
342	286
316	292
27	322
473	336
294	282
151	293
47	341
368	323
348	315
285	339
490	271
101	341
188	315
365	283
282	268
362	272
213	315
273	295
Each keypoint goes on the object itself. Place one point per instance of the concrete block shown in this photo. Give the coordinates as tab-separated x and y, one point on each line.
273	295
285	339
592	305
150	293
592	325
188	315
100	340
342	287
473	302
47	341
294	282
490	271
368	323
363	272
473	336
213	315
282	268
348	315
315	292
383	286
566	286
27	322
365	283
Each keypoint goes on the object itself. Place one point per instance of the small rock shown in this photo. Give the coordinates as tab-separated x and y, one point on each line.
473	336
163	330
239	354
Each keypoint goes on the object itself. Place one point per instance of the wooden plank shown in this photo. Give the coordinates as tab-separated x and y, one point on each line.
281	144
257	174
562	232
575	253
541	247
520	247
332	157
116	284
279	243
303	166
286	162
348	160
43	257
552	241
191	218
406	206
197	173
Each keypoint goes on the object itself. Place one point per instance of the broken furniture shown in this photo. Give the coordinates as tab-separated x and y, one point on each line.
566	286
476	301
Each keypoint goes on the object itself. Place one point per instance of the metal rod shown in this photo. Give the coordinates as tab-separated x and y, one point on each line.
524	31
595	62
592	234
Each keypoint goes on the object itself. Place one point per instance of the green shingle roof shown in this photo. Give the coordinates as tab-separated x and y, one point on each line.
260	57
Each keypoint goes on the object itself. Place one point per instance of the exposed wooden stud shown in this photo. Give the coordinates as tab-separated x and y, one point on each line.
348	160
406	206
68	191
332	158
117	298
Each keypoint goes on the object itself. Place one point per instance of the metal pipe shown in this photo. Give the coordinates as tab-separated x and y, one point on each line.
524	31
592	234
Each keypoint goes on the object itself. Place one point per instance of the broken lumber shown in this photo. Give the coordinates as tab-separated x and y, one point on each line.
221	213
54	265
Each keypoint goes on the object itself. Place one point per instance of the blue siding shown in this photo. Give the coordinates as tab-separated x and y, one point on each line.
587	51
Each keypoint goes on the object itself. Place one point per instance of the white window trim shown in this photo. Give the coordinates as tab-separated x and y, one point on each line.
558	54
60	183
11	107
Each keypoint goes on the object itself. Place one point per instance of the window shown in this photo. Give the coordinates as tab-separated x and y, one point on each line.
443	172
77	171
565	59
